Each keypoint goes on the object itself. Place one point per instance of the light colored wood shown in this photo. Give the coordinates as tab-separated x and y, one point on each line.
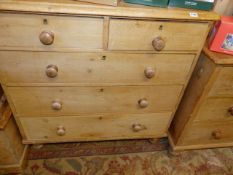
5	115
37	101
215	109
69	32
104	2
203	119
224	7
218	58
124	10
12	151
138	35
93	68
96	127
223	86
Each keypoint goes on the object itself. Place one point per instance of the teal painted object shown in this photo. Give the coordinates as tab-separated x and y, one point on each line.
159	3
193	4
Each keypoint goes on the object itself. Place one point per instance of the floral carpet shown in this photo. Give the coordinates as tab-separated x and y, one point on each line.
136	157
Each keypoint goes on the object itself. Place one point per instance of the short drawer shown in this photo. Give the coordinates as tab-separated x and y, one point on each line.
99	127
18	68
216	109
58	101
223	85
200	133
41	32
167	36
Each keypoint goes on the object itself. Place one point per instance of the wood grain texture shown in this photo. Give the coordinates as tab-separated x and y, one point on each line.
95	127
69	32
138	35
102	68
37	101
123	10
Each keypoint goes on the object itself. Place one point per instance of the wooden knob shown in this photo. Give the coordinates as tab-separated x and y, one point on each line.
46	37
61	131
158	43
138	127
149	72
217	134
51	71
56	105
230	110
143	103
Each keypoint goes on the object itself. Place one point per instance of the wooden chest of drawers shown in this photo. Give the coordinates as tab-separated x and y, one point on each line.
205	117
77	72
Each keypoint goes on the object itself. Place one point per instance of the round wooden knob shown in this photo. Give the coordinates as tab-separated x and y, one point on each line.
51	71
56	105
230	110
143	103
217	134
149	72
158	43
61	131
138	127
46	37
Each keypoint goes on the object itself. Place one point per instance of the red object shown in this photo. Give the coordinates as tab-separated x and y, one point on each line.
222	36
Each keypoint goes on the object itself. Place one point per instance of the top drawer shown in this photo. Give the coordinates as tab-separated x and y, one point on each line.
50	32
223	85
167	36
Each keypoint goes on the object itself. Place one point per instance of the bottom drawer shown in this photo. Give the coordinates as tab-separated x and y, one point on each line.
98	127
208	133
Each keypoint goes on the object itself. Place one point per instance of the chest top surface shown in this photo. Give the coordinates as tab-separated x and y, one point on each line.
123	10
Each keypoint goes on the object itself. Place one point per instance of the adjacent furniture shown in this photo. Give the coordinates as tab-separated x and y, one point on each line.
204	118
12	151
78	72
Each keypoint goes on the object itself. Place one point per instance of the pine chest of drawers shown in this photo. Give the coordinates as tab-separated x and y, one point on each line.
204	118
78	72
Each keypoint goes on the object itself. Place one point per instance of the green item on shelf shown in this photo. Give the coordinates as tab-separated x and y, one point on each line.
159	3
194	4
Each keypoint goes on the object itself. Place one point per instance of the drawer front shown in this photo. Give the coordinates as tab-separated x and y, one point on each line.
223	85
50	32
167	36
57	101
208	133
216	109
61	129
94	68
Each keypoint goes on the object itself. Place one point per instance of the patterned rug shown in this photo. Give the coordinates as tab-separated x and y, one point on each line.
136	157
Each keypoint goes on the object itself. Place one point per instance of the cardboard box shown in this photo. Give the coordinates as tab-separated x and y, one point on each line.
159	3
194	4
221	39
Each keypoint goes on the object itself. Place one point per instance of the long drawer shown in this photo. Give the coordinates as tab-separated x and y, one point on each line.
223	85
93	68
50	32
209	133
96	127
216	109
167	36
58	101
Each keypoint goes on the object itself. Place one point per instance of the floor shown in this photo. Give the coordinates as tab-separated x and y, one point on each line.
130	157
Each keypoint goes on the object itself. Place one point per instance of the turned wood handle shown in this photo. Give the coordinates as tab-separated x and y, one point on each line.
51	71
61	131
149	72
46	37
230	110
56	105
158	43
138	127
217	134
143	103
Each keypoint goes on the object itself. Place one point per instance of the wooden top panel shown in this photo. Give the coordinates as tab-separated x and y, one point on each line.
218	58
123	10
